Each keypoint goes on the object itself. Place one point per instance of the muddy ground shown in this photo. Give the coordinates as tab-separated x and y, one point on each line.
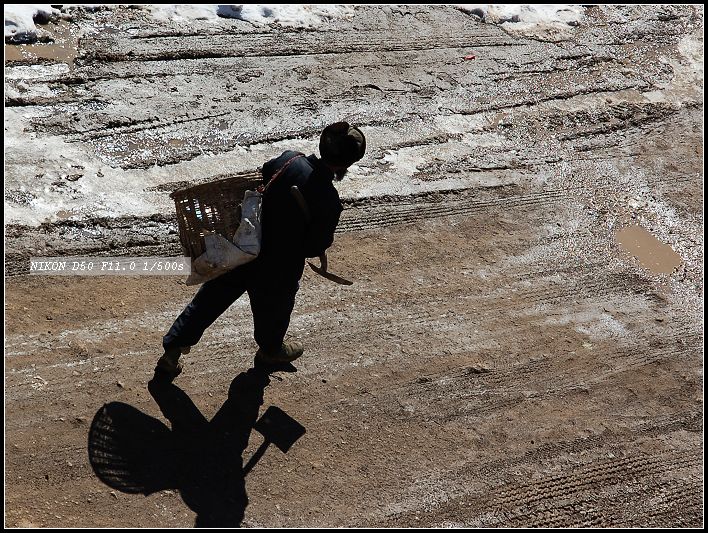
498	361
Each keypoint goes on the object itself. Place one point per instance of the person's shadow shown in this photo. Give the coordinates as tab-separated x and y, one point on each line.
136	453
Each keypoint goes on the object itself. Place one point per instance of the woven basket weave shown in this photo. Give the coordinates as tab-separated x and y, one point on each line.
212	206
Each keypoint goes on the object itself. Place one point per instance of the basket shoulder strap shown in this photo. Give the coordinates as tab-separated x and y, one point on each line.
263	188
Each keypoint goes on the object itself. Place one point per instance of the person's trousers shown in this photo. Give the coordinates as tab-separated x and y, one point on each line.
272	302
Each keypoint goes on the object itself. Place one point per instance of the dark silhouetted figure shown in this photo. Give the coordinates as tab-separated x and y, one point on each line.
135	453
295	225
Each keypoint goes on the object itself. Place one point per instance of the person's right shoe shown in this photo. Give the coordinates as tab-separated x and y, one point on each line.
288	353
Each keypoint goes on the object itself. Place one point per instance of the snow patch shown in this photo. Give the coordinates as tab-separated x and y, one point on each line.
688	72
55	179
36	72
691	47
537	20
596	324
20	21
183	12
300	15
297	15
525	14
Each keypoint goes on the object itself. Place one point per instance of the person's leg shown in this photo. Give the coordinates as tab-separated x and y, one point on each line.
212	299
272	305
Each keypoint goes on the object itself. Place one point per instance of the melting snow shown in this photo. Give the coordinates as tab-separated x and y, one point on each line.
20	21
525	14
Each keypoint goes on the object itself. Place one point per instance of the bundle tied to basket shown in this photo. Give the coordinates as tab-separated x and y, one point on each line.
219	224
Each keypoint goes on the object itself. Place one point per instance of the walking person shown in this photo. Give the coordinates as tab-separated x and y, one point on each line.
295	226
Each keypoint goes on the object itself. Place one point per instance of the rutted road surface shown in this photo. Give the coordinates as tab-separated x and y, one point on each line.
498	361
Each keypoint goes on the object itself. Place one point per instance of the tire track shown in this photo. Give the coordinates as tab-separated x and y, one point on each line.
584	497
495	306
591	477
139	126
126	236
159	48
683	507
406	213
616	440
199	131
504	382
468	393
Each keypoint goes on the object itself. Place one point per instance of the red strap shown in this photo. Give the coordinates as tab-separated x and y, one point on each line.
263	188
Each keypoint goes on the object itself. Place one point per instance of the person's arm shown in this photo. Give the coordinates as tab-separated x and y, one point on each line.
321	235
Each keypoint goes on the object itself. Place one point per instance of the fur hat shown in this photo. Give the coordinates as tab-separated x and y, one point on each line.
341	145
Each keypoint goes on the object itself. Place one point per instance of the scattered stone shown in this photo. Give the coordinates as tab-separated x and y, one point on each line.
478	368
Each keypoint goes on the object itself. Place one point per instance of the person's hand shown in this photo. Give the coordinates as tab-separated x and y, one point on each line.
323	262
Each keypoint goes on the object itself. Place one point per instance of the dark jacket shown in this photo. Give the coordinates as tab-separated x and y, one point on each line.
288	237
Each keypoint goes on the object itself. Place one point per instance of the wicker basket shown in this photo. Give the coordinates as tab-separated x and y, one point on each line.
212	206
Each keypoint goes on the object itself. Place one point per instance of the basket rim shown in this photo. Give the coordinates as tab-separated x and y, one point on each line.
253	174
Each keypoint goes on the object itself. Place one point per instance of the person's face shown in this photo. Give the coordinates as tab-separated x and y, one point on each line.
339	173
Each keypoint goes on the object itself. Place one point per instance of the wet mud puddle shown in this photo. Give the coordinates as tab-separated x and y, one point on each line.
657	257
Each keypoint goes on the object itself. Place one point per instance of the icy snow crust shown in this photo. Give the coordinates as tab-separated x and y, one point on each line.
106	191
525	14
298	15
20	19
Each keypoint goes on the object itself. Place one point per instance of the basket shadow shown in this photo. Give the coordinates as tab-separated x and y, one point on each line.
135	453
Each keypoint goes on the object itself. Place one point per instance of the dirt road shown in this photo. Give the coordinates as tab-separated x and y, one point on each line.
498	361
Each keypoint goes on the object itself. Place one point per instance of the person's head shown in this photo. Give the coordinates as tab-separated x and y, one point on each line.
341	145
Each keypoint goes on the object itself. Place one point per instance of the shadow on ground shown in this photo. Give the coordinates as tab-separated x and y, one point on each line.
136	453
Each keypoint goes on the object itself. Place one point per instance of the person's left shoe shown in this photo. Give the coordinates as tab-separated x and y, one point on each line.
168	366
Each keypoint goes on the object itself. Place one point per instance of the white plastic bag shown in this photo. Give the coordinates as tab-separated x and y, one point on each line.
248	234
222	255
